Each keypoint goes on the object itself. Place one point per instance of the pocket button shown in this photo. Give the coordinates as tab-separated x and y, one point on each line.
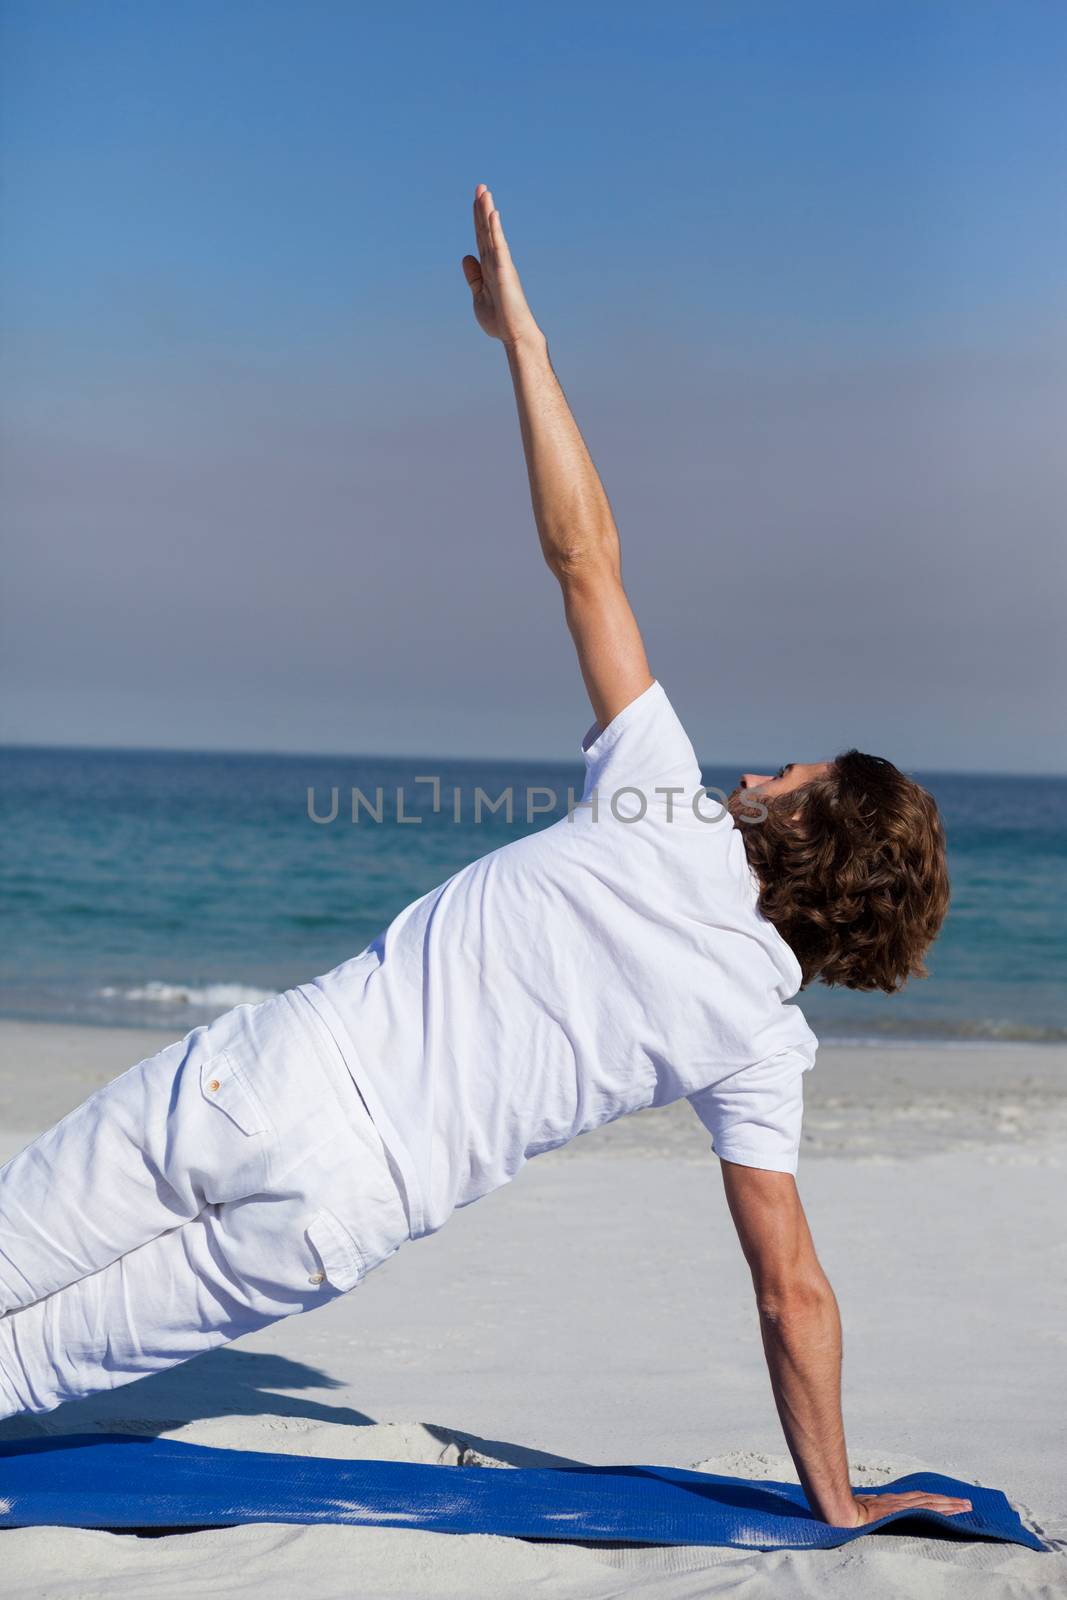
317	1277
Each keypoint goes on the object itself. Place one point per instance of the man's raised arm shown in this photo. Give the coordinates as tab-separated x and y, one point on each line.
574	520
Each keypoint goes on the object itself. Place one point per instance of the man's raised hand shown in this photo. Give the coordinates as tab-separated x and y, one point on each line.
499	303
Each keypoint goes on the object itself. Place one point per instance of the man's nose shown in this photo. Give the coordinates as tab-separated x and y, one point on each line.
752	780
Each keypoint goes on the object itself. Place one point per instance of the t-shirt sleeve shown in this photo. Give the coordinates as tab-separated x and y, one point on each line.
645	747
754	1116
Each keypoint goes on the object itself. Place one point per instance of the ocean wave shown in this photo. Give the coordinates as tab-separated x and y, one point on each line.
915	1031
156	992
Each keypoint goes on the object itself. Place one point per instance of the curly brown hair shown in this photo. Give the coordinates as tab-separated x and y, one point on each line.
852	871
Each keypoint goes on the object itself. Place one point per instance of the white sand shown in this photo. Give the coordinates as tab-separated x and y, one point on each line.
552	1323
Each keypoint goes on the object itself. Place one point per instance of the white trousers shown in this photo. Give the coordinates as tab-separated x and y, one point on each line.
232	1179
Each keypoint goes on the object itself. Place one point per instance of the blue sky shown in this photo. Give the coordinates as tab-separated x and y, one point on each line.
802	272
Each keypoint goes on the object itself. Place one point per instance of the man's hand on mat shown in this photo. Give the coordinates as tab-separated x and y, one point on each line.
873	1507
499	303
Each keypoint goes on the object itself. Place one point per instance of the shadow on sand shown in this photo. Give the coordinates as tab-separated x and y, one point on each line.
229	1383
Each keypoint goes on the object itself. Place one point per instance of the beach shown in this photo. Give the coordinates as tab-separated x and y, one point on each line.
549	1324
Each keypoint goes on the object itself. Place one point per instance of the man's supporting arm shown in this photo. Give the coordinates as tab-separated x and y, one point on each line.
801	1331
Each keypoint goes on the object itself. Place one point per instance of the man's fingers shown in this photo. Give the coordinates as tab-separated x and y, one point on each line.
482	207
934	1501
491	241
472	272
477	208
884	1505
496	234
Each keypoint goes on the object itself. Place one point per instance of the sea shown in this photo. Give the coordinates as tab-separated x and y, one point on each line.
163	887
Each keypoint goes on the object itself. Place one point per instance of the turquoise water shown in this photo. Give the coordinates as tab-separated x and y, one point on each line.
162	887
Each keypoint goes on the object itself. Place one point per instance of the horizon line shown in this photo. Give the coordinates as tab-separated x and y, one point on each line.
498	759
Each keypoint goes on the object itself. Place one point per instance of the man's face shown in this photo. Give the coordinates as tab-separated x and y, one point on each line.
792	776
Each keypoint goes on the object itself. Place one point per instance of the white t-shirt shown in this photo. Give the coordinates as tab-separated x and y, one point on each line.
594	968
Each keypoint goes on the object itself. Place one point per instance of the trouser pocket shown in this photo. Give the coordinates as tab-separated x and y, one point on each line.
223	1084
240	1135
355	1217
337	1259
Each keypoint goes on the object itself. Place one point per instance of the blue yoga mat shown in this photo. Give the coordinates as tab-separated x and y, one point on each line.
121	1481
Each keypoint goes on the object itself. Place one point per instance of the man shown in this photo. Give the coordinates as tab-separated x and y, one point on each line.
639	951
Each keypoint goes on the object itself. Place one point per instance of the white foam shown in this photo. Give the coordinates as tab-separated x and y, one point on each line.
175	994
